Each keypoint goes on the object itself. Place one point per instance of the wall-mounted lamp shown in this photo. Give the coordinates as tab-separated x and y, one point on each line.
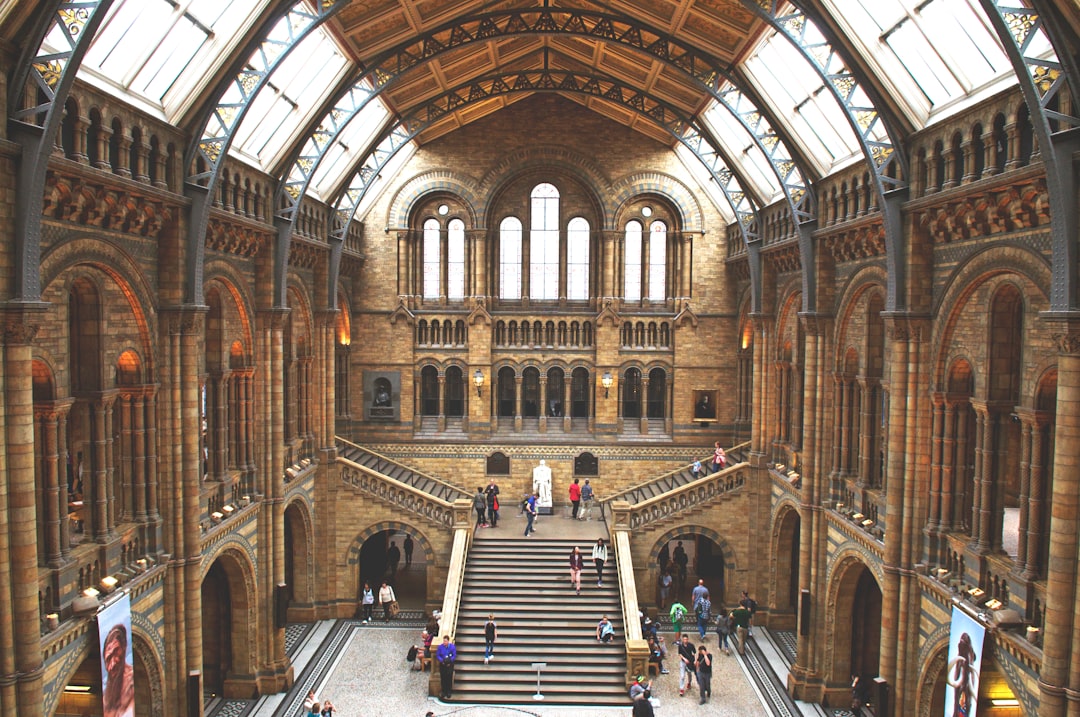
108	584
607	381
478	381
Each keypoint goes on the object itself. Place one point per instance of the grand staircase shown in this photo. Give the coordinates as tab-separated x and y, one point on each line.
525	582
430	485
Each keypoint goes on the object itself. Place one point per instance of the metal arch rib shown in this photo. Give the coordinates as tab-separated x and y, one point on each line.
1041	82
682	128
882	156
219	128
607	28
52	73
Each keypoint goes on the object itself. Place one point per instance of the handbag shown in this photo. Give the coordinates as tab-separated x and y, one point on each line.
394	608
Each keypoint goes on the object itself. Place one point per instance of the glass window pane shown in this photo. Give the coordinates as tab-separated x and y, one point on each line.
455	261
657	261
577	259
510	258
632	278
432	251
544	243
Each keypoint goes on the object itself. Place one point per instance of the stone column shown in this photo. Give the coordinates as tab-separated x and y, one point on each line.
1020	564
19	612
933	521
1060	621
63	411
46	436
1034	539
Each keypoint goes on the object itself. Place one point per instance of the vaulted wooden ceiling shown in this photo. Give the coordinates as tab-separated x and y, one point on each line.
719	30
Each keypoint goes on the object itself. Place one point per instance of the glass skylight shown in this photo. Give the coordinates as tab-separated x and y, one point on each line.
742	149
164	50
704	179
354	141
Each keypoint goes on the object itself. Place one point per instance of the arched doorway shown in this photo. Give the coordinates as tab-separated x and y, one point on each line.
81	696
228	629
298	564
783	614
410	576
856	624
707	557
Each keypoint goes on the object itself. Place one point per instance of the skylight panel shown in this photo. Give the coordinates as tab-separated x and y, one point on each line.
741	147
353	142
296	89
705	181
151	47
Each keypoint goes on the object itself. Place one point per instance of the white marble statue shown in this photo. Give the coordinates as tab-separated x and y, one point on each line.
542	485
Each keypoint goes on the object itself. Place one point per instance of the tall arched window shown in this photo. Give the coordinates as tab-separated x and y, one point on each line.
632	277
530	392
579	393
510	258
631	394
657	260
577	259
544	243
454	392
507	392
657	398
429	391
455	260
432	259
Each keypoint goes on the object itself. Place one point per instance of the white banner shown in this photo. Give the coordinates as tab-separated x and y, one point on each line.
965	660
117	664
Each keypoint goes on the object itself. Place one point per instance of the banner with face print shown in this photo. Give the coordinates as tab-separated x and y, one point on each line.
117	663
965	660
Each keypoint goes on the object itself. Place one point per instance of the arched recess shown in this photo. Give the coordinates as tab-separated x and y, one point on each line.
299	560
787	530
355	555
659	185
716	561
852	630
85	671
229	625
930	699
415	190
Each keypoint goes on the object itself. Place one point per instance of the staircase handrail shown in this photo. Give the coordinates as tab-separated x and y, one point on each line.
455	581
398	493
621	495
637	649
390	461
691	495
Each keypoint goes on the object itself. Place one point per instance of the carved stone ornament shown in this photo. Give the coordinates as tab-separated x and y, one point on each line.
1068	343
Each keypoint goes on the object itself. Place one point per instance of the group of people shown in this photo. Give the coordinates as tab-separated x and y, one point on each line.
387	600
315	708
577	564
486	505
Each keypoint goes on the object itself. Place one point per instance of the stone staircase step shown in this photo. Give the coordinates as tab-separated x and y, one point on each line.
525	583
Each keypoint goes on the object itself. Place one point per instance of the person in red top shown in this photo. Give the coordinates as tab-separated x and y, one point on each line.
575	497
577	563
719	458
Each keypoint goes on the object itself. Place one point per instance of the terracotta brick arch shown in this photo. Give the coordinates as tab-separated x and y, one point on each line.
841	582
236	561
352	554
729	553
932	660
441	181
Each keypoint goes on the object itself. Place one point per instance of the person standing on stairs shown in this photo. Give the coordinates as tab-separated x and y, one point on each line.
575	498
408	550
530	513
393	557
491	634
577	564
479	503
446	655
367	604
599	556
386	599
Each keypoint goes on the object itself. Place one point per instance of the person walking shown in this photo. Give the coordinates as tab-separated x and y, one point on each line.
491	634
577	564
408	551
479	504
599	556
446	656
677	614
530	513
723	631
740	618
393	557
751	606
386	599
367	604
575	498
704	673
719	458
665	588
687	664
703	612
587	496
492	494
698	591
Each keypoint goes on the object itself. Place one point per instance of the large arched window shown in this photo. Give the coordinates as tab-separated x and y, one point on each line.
429	391
454	392
510	258
657	261
530	392
579	393
577	259
645	259
507	392
632	275
631	393
544	243
657	398
443	252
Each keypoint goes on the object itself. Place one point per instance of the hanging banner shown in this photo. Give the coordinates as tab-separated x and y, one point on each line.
965	660
117	665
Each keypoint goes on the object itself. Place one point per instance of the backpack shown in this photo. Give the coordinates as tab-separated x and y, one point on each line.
679	613
410	656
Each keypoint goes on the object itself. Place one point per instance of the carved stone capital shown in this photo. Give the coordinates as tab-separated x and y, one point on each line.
185	320
901	326
815	324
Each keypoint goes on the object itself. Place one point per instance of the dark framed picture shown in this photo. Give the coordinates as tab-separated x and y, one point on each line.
705	405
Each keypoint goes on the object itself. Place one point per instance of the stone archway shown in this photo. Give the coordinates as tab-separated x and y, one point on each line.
229	627
419	583
853	619
85	679
709	557
783	611
299	562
